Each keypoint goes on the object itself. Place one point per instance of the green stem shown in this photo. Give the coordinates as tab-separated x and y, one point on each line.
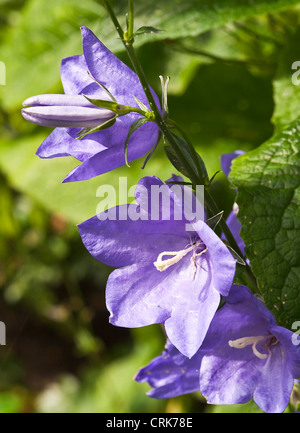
130	28
194	176
249	277
142	77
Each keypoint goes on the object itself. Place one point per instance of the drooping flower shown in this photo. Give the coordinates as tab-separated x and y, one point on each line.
166	274
101	151
245	355
171	374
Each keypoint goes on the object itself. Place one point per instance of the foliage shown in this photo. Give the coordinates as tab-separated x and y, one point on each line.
230	67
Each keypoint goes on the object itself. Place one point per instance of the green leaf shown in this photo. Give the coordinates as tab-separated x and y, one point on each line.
268	183
287	82
175	161
147	30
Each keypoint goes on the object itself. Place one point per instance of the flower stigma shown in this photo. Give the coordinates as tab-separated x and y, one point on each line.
240	343
163	264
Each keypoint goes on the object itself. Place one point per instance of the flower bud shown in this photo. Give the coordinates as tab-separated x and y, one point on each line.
64	111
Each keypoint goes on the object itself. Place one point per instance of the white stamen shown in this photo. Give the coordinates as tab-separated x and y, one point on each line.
195	263
240	343
162	265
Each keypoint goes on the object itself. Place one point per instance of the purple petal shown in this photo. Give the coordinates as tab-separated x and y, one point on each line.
227	159
59	143
228	380
274	388
118	78
192	314
291	343
74	74
139	144
66	116
171	374
123	242
58	100
149	296
222	263
135	296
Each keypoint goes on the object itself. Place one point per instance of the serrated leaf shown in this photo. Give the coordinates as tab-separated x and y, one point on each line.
268	183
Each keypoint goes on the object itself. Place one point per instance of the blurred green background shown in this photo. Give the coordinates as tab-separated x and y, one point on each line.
227	73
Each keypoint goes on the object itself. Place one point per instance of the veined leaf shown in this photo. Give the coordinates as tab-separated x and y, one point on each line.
268	183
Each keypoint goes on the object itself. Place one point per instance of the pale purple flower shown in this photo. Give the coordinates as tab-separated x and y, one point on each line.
102	151
245	355
167	274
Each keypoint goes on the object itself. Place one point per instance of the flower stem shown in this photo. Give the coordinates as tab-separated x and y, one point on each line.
249	277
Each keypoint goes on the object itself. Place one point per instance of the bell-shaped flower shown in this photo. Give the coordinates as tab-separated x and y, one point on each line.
97	74
245	355
166	274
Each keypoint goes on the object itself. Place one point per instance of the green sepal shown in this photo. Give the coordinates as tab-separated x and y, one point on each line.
236	256
214	220
102	103
105	125
134	127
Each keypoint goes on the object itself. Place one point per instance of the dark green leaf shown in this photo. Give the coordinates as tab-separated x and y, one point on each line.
287	82
175	161
268	183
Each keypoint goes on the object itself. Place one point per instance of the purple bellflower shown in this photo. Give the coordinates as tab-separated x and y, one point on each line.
166	274
245	355
103	150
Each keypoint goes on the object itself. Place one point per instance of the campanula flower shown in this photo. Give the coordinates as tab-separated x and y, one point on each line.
166	274
245	355
97	74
